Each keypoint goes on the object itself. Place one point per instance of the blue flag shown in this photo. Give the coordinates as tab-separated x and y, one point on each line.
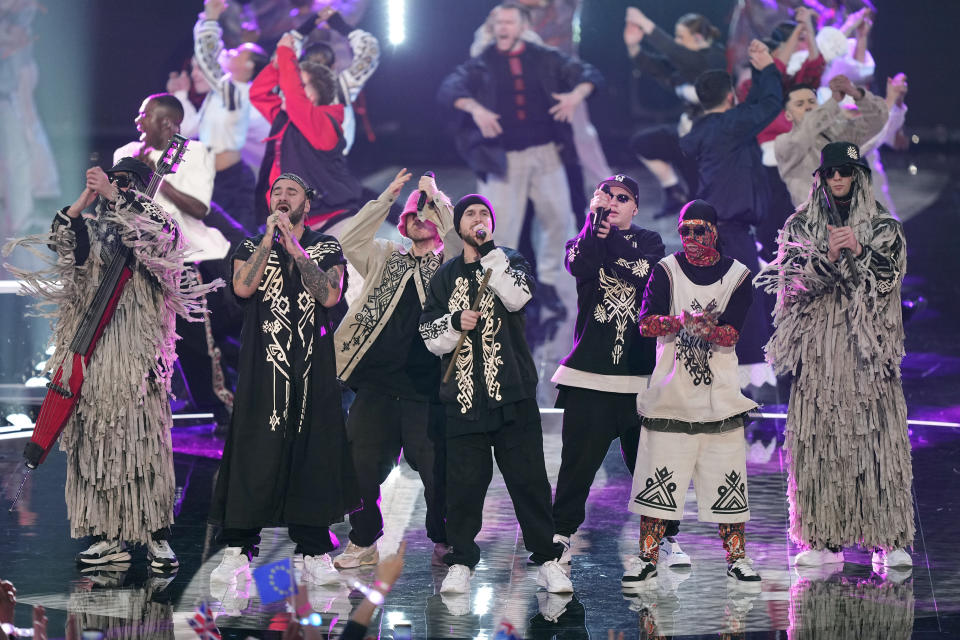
275	581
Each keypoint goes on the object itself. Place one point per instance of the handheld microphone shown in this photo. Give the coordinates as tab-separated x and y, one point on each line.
423	194
599	216
481	233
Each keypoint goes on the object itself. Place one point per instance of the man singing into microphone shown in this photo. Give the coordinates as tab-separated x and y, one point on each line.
285	461
381	356
490	399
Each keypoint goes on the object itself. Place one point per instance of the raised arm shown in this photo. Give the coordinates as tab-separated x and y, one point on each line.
365	48
511	278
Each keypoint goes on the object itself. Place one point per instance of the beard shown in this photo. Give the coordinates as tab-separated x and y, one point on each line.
295	215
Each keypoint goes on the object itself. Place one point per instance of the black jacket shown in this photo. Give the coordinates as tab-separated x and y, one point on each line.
611	276
732	176
558	73
495	360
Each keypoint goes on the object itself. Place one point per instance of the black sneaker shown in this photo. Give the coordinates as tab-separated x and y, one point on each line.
743	574
104	552
638	572
161	556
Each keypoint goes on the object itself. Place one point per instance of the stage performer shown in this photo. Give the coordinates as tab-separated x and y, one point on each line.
840	333
693	412
380	354
285	461
490	400
610	362
120	481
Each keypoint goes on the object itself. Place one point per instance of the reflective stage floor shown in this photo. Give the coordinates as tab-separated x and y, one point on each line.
851	601
37	554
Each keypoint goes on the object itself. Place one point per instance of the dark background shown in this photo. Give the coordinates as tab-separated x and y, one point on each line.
99	59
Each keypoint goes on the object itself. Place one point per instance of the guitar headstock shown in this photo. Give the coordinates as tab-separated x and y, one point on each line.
172	155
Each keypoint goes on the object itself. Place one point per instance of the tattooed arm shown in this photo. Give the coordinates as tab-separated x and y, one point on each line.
325	286
248	273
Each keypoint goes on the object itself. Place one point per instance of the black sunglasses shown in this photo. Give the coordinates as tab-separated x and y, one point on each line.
845	171
698	230
121	181
621	197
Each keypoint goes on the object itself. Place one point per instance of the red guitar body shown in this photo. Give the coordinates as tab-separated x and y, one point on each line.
61	400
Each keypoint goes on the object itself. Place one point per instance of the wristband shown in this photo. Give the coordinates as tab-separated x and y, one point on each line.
382	587
375	597
312	620
304	610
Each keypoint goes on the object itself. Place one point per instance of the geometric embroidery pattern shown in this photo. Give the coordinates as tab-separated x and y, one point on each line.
733	495
659	491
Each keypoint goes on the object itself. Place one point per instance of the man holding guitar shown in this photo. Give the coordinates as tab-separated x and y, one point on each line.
116	427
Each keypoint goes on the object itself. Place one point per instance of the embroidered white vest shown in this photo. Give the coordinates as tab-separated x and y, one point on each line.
695	381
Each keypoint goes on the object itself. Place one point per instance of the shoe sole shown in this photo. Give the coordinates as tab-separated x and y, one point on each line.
627	583
744	585
679	563
123	556
164	565
359	563
318	581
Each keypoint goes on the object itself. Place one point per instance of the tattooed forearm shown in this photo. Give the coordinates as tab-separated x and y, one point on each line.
322	285
254	264
247	274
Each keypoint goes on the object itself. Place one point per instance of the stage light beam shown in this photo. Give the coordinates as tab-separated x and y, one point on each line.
396	29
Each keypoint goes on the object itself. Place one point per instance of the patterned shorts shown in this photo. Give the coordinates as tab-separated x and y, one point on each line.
716	462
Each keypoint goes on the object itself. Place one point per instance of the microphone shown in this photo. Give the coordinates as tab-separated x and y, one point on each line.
423	194
481	233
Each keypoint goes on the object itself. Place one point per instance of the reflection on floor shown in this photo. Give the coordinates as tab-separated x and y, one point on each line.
849	601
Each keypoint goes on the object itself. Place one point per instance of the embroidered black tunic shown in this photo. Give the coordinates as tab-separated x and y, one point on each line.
286	460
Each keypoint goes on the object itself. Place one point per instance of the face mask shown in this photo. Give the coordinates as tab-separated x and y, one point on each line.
699	242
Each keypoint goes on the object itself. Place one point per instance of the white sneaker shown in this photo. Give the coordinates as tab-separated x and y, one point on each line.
161	556
104	552
234	565
553	605
319	570
671	554
639	572
817	557
894	558
565	541
355	555
552	578
457	580
458	604
742	574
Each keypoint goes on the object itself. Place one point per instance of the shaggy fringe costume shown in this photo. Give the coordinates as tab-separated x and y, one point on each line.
851	610
849	455
120	481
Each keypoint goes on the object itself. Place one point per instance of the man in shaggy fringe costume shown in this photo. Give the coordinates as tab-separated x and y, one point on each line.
840	333
120	481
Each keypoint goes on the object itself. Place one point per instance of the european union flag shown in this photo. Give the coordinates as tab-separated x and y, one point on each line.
275	581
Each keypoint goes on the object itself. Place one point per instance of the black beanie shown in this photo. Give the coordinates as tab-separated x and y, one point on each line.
698	210
466	201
